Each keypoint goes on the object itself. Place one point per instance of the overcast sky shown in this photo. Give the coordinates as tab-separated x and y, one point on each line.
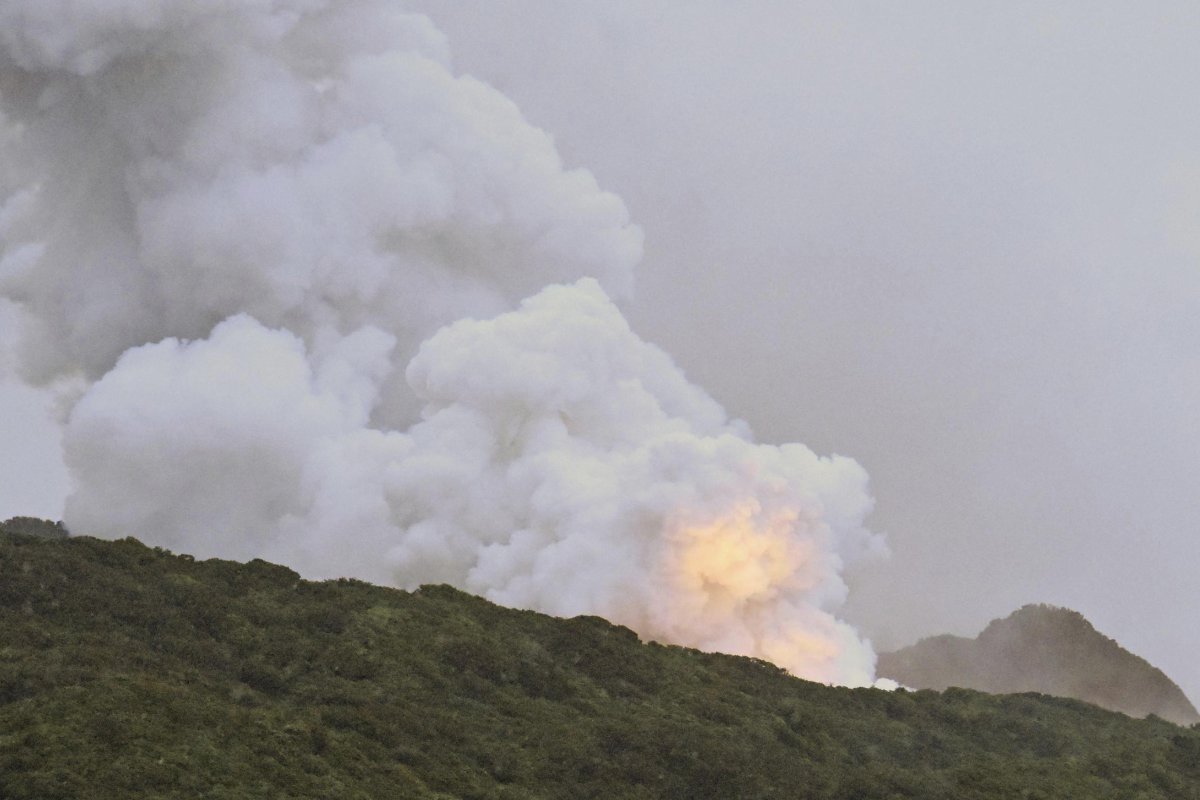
957	242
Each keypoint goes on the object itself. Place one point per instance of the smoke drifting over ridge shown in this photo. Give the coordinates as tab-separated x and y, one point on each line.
236	223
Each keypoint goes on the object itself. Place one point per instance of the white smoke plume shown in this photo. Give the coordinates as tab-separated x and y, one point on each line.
235	222
313	164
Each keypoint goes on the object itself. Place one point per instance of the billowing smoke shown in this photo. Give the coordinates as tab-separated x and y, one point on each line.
233	223
312	164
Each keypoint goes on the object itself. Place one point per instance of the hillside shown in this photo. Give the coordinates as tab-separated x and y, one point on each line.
128	672
1041	648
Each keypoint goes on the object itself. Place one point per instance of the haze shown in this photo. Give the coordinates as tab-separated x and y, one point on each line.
958	244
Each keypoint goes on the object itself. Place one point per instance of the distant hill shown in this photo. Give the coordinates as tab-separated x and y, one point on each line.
1042	648
128	672
32	526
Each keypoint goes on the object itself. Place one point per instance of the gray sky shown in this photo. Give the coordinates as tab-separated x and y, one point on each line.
33	480
958	242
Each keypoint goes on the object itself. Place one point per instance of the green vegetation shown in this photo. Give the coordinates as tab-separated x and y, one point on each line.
129	672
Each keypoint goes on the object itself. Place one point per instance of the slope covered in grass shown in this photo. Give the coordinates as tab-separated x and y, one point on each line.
129	672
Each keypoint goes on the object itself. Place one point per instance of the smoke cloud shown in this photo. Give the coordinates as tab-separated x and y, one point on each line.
314	165
281	247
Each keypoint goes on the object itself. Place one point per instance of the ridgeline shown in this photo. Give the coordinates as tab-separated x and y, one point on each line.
1041	648
128	672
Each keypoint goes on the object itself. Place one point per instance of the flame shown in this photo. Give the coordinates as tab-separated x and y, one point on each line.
751	581
738	557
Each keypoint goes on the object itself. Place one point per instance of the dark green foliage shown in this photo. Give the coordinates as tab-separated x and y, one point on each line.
128	672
